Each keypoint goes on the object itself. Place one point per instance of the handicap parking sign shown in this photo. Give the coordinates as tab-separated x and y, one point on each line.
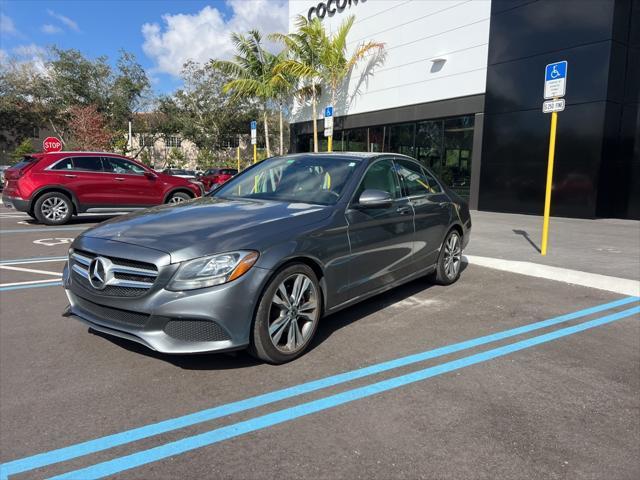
555	79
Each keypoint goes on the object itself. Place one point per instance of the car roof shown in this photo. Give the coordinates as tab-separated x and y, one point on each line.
358	156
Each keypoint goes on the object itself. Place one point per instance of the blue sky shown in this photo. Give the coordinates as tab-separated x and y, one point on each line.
161	33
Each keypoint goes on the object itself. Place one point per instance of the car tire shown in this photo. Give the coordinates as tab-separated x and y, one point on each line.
449	263
178	197
53	208
274	336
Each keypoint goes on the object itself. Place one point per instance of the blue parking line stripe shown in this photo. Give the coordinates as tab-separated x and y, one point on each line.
57	283
50	229
92	446
18	261
161	452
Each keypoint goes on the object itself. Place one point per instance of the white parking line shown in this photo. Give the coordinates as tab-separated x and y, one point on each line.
30	270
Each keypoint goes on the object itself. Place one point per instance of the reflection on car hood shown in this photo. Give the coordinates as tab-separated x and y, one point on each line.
209	225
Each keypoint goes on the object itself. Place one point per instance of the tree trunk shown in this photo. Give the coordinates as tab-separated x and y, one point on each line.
314	108
281	134
266	132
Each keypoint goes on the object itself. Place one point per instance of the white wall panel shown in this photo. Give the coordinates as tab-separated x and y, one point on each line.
415	32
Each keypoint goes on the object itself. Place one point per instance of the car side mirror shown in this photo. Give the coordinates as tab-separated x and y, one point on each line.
150	175
372	198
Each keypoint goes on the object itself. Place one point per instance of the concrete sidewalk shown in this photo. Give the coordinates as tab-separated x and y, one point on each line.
605	246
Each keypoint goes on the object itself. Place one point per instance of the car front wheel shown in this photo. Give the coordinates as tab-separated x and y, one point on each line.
53	208
287	316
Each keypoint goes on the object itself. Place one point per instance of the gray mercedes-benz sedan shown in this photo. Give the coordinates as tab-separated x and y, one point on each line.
258	262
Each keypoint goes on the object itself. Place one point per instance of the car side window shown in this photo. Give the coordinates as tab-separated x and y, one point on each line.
414	179
380	176
66	164
90	164
433	183
122	166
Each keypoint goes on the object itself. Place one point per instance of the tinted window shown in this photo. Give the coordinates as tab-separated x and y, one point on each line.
122	166
93	164
380	176
433	184
211	171
414	179
65	164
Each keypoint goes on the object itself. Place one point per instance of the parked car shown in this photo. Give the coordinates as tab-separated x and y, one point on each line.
260	261
52	187
217	176
182	173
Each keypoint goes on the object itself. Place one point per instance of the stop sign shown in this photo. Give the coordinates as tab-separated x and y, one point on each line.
51	144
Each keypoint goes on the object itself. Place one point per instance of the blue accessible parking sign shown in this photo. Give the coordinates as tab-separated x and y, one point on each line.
555	79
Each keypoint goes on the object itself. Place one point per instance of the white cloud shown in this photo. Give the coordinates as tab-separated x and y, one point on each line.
64	20
4	56
207	34
50	29
7	26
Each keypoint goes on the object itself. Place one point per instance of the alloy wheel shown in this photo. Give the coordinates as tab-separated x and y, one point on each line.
452	255
54	208
293	314
176	199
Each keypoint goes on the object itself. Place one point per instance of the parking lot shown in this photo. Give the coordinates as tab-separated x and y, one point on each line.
497	376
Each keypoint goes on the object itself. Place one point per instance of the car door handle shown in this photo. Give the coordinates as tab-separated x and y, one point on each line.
403	210
68	175
119	179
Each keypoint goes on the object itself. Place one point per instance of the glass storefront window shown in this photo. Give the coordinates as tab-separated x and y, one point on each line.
442	145
429	144
401	138
357	140
458	142
378	138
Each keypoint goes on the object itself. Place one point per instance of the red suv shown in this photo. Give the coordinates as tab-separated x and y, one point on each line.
52	187
217	176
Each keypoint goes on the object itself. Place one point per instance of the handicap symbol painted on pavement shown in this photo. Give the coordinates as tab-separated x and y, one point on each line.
50	242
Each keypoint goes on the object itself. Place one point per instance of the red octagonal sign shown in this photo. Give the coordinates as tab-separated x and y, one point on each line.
51	144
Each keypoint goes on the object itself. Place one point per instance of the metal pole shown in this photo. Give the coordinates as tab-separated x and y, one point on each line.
255	153
547	196
330	143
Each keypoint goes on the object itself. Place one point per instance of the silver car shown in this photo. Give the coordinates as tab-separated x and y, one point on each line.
258	262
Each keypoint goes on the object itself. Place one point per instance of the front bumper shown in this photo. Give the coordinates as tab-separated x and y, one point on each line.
206	320
16	203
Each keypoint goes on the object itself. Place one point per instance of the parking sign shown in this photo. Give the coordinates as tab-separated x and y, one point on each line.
254	132
555	80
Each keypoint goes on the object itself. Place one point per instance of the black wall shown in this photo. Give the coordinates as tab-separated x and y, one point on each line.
597	171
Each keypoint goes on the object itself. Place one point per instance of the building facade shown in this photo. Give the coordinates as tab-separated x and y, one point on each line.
461	90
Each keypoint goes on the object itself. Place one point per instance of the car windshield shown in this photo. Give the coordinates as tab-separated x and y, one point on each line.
305	179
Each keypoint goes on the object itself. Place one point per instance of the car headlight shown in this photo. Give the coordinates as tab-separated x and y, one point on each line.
212	270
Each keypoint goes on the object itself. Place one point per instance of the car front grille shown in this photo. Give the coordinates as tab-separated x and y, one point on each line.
130	278
112	315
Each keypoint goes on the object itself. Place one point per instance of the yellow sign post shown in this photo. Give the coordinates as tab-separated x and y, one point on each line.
238	157
555	87
547	196
255	153
330	149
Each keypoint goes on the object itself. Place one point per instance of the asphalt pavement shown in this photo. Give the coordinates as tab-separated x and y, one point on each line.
497	376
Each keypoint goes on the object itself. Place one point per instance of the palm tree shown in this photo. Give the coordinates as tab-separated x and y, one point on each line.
253	73
303	62
336	66
318	58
